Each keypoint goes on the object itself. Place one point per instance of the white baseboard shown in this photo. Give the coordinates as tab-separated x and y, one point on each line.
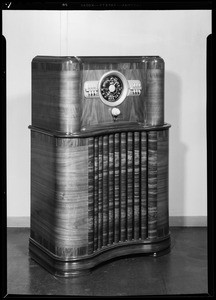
182	221
18	221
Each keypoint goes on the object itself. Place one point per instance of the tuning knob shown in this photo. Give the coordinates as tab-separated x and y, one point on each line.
115	113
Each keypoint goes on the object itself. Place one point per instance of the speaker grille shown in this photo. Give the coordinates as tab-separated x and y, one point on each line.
119	165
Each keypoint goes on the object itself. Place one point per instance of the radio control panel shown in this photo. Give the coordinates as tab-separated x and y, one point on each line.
112	88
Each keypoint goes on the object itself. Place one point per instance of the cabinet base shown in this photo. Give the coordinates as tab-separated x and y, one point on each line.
81	266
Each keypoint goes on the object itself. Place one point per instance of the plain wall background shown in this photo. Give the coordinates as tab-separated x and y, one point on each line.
179	37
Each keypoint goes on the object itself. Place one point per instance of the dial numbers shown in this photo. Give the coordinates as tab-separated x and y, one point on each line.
111	88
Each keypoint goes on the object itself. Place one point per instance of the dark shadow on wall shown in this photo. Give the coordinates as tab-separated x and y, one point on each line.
177	150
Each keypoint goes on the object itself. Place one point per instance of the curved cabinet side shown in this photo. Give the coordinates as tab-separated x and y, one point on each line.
154	90
56	94
59	195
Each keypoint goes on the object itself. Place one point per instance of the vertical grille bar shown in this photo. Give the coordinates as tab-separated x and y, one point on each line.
123	186
100	192
129	186
111	187
152	184
96	157
136	185
143	165
116	188
105	190
91	195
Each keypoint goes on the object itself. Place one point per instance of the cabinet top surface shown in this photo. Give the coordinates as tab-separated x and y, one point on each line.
92	59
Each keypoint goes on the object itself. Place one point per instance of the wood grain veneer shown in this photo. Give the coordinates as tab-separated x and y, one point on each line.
56	94
59	193
154	91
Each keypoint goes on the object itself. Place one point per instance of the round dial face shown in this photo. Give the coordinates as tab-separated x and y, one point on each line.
111	88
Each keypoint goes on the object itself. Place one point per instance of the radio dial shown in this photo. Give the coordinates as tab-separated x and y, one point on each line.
113	88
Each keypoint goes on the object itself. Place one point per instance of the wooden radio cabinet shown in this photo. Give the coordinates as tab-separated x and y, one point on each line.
99	161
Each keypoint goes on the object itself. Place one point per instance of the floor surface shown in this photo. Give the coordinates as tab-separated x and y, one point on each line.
182	271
